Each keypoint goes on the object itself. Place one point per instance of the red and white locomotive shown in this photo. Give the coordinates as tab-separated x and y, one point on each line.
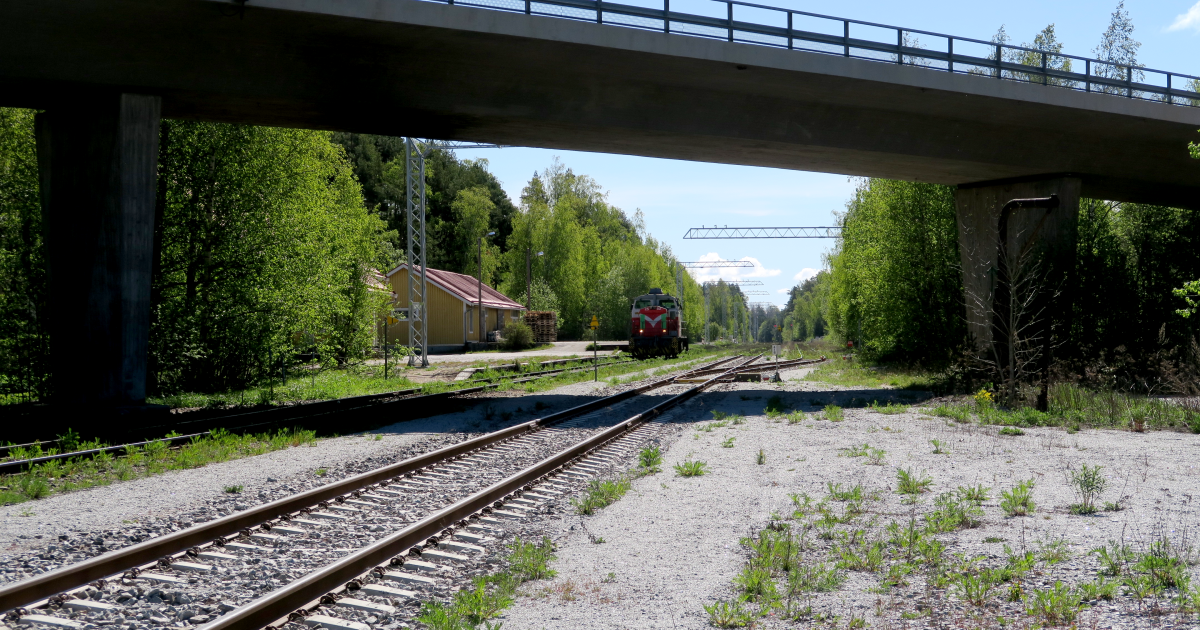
654	329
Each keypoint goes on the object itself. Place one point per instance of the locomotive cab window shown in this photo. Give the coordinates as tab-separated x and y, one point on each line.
639	304
668	304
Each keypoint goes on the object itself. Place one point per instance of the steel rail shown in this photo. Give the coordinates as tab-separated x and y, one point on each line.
900	52
280	415
761	367
547	372
33	461
28	592
308	591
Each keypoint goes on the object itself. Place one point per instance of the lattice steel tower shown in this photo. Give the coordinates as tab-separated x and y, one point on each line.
414	179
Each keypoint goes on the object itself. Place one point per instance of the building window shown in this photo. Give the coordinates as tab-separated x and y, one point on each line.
470	320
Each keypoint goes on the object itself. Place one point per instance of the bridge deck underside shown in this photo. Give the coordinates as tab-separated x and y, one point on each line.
401	67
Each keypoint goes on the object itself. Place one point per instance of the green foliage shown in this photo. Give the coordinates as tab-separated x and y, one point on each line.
154	458
908	482
953	512
517	336
650	459
596	258
804	317
690	468
1190	293
601	494
531	561
1088	484
23	343
1057	605
266	248
1018	500
726	614
833	413
837	493
471	213
896	289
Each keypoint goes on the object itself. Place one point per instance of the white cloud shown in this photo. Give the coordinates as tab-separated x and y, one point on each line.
1191	20
782	290
806	273
710	274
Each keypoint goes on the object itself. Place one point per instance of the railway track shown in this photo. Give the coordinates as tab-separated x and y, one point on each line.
312	539
278	418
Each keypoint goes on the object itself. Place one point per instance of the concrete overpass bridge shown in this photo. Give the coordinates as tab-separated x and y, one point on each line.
699	80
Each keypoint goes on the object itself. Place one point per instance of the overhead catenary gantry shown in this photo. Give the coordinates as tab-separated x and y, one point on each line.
763	232
739	283
717	264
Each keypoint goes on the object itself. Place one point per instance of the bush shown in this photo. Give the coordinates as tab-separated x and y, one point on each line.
517	336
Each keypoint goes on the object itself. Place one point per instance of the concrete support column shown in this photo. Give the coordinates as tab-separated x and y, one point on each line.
97	160
1014	305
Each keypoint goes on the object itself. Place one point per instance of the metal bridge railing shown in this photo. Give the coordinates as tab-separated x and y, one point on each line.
750	23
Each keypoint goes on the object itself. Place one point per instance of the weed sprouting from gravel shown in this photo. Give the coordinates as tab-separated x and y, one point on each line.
650	459
856	451
761	458
939	448
834	413
600	494
233	489
691	468
889	409
755	583
1013	431
728	443
531	561
725	614
837	493
488	595
952	512
1018	501
1088	484
1058	605
912	484
977	494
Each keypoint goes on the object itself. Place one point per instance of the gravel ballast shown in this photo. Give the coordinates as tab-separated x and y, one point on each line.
672	544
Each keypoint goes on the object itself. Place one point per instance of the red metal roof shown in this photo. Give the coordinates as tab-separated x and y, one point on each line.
464	288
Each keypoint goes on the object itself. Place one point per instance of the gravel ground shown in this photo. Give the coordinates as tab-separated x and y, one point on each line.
68	528
171	496
672	544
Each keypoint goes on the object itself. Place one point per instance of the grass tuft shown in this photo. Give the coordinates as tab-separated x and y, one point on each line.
691	468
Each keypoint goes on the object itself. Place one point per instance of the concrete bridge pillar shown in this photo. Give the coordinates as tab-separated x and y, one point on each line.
1017	261
97	162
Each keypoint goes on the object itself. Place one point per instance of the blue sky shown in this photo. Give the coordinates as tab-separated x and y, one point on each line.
675	195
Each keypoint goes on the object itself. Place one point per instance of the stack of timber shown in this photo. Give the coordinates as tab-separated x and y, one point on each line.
543	324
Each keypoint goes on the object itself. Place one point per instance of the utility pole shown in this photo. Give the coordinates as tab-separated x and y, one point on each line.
529	279
479	282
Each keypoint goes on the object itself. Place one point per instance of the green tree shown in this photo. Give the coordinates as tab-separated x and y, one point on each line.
1050	54
1118	50
895	283
266	244
24	344
595	260
472	210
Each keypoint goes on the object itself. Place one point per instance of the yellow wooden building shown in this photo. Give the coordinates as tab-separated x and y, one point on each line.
453	308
